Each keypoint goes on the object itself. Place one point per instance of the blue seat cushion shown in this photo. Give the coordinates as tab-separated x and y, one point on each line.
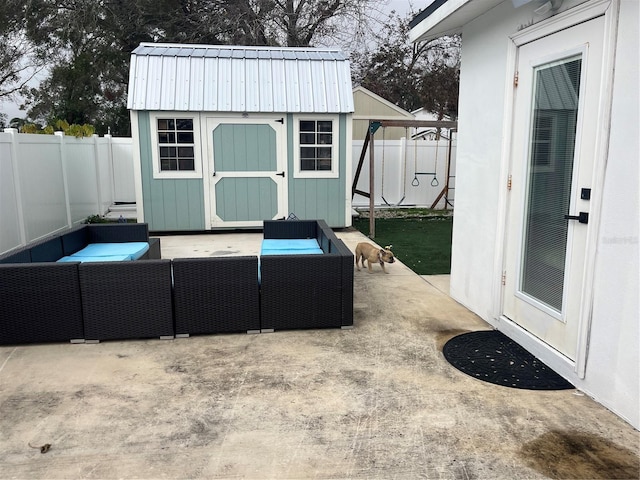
133	250
289	244
299	251
105	258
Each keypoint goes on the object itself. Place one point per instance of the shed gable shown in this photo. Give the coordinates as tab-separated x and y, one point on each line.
220	78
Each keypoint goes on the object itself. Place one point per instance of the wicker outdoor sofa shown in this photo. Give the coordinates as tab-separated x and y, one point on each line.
43	300
306	290
267	293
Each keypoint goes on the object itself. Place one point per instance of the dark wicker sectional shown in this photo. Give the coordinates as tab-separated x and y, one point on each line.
45	301
306	291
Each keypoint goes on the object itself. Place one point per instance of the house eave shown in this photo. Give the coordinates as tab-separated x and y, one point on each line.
448	18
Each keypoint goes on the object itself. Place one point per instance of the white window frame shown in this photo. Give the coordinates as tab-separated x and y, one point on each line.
335	144
155	146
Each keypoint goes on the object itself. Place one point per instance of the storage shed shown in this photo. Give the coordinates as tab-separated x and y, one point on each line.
229	136
370	106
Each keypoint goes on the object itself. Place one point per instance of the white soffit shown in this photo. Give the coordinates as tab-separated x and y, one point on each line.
448	18
222	78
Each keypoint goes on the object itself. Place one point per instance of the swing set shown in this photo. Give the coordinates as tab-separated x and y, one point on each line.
369	143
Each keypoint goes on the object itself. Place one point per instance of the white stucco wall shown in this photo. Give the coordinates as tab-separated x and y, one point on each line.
612	370
480	127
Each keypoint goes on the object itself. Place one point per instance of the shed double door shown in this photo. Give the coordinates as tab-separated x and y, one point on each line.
247	167
556	121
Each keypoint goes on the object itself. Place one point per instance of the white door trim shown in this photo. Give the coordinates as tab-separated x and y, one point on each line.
564	20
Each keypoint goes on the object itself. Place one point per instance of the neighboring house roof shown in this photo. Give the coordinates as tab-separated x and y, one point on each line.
377	107
424	114
222	78
446	17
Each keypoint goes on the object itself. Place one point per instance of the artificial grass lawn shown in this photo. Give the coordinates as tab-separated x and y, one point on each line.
422	244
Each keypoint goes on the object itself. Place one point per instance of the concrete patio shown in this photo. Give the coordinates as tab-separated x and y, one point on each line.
376	401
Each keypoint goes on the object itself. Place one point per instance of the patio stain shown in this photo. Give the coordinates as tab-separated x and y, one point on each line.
572	454
443	336
377	401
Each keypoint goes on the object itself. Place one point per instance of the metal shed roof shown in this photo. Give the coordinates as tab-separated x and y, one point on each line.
222	78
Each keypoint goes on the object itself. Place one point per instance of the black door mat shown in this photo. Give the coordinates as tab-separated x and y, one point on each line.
493	357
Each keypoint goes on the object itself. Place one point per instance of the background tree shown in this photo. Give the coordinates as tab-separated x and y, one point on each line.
89	43
425	75
18	61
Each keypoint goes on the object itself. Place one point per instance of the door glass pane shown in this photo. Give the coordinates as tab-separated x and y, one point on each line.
551	151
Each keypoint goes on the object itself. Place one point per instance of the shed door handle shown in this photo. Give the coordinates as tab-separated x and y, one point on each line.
280	174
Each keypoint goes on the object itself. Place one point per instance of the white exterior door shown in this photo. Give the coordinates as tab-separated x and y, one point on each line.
551	169
246	165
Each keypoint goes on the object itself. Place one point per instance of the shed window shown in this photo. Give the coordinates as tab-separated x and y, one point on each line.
316	145
176	144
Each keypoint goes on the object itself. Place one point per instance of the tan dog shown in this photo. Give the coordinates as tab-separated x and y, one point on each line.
373	254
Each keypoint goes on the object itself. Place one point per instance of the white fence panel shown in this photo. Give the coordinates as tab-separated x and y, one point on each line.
123	180
42	184
81	175
104	173
10	235
407	173
49	182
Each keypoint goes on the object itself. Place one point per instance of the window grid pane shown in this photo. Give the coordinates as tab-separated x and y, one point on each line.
316	140
176	137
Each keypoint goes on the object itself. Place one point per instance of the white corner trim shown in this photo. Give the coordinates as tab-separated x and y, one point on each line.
348	171
137	167
599	170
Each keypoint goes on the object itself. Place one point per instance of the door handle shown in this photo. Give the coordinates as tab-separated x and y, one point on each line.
582	217
280	174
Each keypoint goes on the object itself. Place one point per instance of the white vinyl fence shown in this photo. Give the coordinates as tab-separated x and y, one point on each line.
49	182
408	173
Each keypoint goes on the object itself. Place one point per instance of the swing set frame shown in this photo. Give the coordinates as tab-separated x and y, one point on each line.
369	143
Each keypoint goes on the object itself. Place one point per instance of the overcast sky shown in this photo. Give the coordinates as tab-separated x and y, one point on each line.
402	7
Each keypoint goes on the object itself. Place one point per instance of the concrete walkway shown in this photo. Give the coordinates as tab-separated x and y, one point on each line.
377	401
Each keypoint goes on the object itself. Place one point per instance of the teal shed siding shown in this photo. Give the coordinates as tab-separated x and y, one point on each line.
319	198
169	204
